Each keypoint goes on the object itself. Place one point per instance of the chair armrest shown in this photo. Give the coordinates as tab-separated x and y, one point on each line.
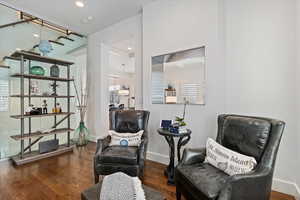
191	156
253	185
142	150
102	144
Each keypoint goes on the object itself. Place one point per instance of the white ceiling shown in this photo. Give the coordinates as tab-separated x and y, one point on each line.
124	45
66	13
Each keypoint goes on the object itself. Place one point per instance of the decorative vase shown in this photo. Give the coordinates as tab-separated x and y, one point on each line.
37	70
54	71
81	135
45	47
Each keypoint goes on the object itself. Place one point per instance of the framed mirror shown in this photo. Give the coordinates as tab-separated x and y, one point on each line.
179	77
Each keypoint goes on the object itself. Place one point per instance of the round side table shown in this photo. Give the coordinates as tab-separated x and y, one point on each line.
184	138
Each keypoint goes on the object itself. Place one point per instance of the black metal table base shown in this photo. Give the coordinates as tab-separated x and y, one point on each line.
170	170
170	177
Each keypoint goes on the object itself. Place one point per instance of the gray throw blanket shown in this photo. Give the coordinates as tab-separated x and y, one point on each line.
120	186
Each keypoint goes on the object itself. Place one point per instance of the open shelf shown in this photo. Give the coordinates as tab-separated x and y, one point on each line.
49	78
39	134
35	155
43	115
39	58
42	96
11	58
4	66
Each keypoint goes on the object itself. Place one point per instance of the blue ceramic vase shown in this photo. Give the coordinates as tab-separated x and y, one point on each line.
45	47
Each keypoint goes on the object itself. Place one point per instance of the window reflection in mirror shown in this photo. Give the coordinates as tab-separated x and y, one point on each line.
179	77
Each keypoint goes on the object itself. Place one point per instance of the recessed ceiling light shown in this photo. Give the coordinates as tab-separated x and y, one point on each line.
36	35
79	4
129	48
90	18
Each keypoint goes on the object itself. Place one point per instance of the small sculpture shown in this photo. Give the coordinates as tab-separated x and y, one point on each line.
45	110
54	86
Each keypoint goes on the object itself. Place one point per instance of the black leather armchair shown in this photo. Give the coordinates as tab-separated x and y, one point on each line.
252	136
130	160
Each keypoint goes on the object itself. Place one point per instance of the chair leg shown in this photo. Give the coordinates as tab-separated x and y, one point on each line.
96	178
178	194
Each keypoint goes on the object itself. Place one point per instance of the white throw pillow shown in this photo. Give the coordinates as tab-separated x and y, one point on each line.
125	139
227	160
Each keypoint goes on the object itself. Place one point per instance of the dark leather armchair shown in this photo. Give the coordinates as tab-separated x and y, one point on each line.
252	136
130	160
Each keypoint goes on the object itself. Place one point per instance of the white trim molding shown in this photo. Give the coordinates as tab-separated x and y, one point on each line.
157	157
286	187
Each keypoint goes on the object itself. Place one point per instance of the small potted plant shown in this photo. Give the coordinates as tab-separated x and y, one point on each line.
180	124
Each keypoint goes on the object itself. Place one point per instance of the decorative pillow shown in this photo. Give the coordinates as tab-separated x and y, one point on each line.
227	160
125	139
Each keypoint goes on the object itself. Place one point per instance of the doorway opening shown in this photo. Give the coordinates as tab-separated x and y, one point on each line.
122	75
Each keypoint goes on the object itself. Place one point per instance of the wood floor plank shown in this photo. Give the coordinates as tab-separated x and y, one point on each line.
64	177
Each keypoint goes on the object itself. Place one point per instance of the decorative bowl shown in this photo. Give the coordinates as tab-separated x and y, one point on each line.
37	70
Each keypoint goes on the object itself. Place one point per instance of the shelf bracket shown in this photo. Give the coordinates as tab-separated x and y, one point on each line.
63	119
32	143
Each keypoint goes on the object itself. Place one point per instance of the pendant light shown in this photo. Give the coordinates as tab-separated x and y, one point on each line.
44	46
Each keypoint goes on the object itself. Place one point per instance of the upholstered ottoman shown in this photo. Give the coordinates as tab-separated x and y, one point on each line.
93	193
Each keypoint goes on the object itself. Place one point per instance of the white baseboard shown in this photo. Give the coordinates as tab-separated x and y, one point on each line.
286	187
279	185
157	157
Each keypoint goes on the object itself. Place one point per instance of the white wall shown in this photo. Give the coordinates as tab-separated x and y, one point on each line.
170	26
257	76
298	82
261	71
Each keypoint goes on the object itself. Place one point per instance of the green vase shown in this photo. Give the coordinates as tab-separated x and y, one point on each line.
81	135
37	70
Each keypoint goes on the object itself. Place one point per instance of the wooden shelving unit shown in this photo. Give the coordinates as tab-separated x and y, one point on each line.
30	156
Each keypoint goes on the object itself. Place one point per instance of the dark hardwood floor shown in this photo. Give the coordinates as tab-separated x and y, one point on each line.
64	177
